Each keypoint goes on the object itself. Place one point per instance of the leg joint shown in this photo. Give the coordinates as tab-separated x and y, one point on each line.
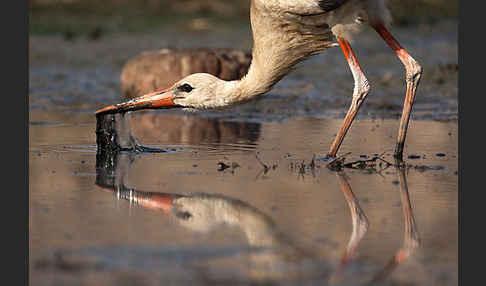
414	71
365	87
361	90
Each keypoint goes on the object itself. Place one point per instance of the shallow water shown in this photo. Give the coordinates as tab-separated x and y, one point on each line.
271	216
100	236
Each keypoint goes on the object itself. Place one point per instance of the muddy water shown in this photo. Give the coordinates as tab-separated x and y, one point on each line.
236	198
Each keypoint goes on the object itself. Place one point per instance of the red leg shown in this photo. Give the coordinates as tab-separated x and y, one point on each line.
413	74
359	220
361	90
411	236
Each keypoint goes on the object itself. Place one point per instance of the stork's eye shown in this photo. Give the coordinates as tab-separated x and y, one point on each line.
185	88
183	215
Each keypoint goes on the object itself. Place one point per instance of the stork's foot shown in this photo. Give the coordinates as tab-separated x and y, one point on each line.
327	158
399	163
398	155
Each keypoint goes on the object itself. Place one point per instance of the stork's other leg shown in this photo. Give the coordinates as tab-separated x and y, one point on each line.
413	74
361	90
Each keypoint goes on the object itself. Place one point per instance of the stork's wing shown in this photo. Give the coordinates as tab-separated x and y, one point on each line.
329	5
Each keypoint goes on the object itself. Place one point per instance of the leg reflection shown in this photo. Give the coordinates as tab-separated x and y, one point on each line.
411	238
359	221
358	217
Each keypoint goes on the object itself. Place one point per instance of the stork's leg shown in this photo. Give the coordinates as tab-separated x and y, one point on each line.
413	74
361	90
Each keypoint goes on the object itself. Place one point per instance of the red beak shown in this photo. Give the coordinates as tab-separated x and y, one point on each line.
160	99
160	201
155	201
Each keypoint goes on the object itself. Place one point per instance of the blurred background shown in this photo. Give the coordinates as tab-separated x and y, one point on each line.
77	17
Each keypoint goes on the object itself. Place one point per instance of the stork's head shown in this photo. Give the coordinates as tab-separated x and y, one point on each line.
196	91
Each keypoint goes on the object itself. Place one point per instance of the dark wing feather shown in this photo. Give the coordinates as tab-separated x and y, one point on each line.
329	5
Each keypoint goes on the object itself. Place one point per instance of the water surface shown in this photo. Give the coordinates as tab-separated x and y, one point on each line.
245	224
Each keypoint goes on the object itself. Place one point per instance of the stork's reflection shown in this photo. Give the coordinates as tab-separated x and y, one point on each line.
279	256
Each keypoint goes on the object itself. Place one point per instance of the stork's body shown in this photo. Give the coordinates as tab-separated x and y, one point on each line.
286	32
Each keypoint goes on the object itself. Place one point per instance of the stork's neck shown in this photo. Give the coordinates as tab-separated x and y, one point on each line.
279	42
